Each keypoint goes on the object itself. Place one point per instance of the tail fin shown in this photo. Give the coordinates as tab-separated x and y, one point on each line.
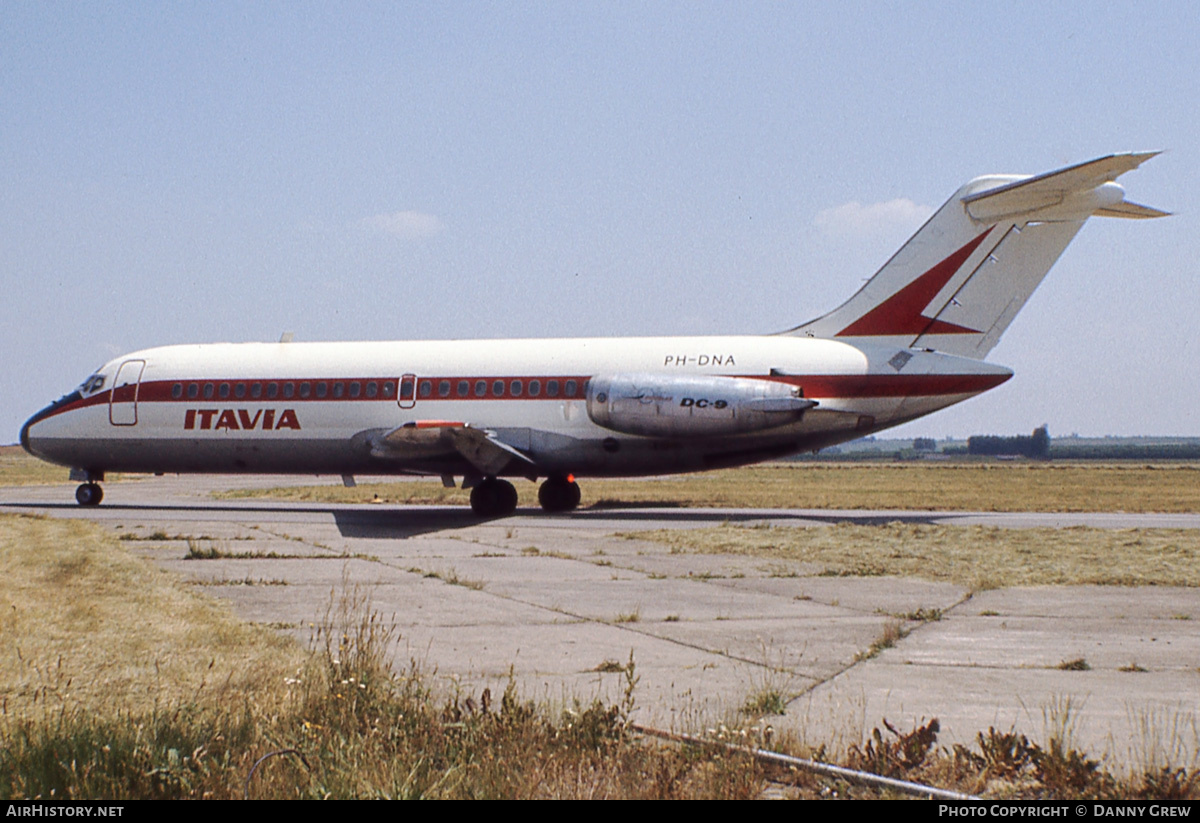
961	279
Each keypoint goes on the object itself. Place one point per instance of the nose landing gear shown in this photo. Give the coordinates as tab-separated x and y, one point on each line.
89	494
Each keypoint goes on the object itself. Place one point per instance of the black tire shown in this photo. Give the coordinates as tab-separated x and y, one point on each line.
558	494
89	494
494	498
507	497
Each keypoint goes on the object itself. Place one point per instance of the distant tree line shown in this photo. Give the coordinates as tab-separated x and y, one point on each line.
1127	451
1036	445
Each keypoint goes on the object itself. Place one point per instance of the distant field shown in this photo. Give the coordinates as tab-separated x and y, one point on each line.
977	557
19	469
995	486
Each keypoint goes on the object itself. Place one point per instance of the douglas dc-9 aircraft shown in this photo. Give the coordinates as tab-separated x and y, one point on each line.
910	342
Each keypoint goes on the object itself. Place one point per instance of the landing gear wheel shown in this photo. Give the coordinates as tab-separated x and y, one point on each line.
89	494
558	494
494	498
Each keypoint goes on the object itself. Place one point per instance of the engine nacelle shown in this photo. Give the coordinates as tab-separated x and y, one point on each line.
662	405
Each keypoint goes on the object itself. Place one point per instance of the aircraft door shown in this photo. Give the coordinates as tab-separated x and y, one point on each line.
122	404
407	396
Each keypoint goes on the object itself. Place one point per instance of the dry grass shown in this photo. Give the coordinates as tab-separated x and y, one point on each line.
19	469
131	686
86	623
1053	487
977	557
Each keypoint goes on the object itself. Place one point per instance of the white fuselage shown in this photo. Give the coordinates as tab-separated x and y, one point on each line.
328	407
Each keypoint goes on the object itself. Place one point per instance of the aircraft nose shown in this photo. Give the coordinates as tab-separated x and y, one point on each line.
28	441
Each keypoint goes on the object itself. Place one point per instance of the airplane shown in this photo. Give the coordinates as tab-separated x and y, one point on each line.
911	341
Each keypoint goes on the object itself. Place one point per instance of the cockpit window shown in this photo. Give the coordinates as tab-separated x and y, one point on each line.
93	384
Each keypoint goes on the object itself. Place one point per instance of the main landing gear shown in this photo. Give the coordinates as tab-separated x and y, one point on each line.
559	494
89	494
493	497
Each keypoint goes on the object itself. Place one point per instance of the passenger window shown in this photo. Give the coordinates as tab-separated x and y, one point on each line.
480	388
514	388
305	390
321	389
389	389
239	390
498	388
272	391
339	389
193	391
570	388
256	390
355	389
177	391
443	388
223	391
425	389
464	388
372	389
289	390
535	388
208	391
552	388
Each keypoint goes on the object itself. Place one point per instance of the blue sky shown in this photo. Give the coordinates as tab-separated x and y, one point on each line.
214	171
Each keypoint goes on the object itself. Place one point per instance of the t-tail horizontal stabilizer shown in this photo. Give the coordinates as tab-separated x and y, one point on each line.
961	279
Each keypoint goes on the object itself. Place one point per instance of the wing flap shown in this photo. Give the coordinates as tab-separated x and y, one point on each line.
435	438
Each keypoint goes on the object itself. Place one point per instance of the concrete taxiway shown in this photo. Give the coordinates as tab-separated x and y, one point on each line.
561	602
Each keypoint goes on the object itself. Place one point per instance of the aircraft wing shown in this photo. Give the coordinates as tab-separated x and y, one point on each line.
435	438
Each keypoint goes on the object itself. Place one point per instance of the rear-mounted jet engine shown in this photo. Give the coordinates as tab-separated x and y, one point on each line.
657	405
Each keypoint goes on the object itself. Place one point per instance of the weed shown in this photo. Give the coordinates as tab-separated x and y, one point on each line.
1078	664
892	632
671	618
1169	784
530	551
634	616
897	755
609	667
452	577
1133	667
923	615
245	581
989	613
197	552
767	701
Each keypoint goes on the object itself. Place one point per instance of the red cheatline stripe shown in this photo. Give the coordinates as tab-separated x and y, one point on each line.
814	386
891	385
